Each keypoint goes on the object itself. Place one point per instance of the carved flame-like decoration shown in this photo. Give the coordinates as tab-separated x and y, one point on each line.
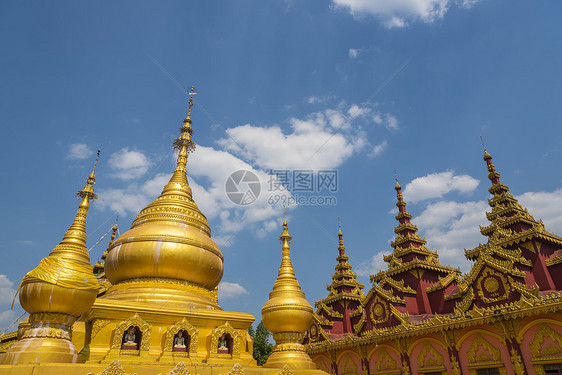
114	368
483	352
430	358
536	346
385	361
179	369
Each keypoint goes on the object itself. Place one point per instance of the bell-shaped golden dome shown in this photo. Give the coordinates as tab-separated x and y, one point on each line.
168	256
287	314
64	281
56	293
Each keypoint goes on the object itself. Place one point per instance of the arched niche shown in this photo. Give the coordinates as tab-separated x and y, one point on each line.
349	363
384	359
322	362
191	341
143	330
232	337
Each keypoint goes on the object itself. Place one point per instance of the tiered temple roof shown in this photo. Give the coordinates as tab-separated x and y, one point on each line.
415	283
518	263
503	316
334	313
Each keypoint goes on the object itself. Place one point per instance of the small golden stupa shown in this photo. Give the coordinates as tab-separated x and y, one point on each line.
56	293
287	314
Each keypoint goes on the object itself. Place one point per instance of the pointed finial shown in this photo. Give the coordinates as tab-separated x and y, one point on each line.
397	187
186	131
486	154
339	226
88	190
191	92
285	236
92	175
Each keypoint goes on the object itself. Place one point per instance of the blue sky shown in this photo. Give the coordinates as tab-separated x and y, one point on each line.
353	86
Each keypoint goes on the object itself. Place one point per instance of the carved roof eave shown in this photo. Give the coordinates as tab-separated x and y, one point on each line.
386	294
440	323
343	296
337	283
330	311
467	282
536	232
400	239
320	323
397	285
444	282
422	250
411	265
557	259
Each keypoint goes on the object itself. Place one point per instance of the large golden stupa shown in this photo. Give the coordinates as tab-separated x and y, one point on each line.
155	310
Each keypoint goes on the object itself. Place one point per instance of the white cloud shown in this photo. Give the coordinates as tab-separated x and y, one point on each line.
231	290
7	292
395	22
391	122
397	13
388	120
436	185
7	318
27	242
128	165
379	149
208	170
321	140
357	111
354	52
450	227
319	99
79	151
373	265
545	206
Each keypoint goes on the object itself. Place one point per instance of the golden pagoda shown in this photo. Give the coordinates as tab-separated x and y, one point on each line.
153	308
56	293
287	314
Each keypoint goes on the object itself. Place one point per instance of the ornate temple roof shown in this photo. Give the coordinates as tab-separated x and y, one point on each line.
344	283
409	251
513	264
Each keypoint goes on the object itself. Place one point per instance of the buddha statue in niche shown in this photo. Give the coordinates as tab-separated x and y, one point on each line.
180	342
130	339
223	347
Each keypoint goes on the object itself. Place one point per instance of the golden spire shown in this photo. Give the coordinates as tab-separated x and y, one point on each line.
184	145
287	314
73	244
56	292
99	266
339	226
168	255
